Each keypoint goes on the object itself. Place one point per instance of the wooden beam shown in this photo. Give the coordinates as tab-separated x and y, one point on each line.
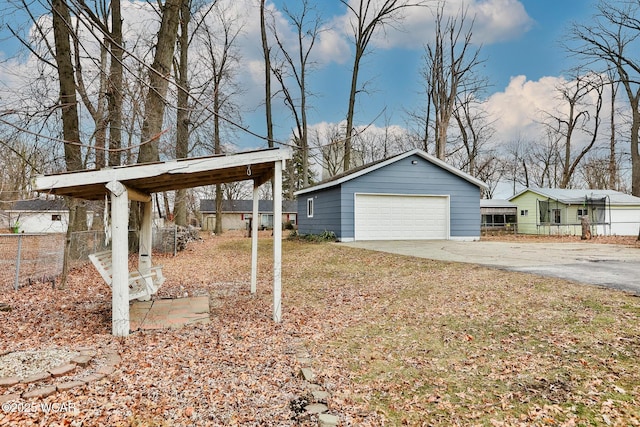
138	196
120	259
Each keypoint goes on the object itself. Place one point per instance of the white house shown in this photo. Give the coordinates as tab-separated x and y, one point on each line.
40	216
559	211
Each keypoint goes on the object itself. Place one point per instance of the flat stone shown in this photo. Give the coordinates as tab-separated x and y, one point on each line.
307	374
320	396
88	352
327	420
316	408
113	359
106	370
36	377
82	360
304	361
314	387
93	377
9	397
9	381
69	385
62	370
39	392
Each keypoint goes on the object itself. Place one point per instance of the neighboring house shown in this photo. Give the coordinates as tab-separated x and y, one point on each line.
236	213
559	211
499	215
40	216
406	197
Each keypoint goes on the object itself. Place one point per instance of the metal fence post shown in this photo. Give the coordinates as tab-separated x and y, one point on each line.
19	255
175	239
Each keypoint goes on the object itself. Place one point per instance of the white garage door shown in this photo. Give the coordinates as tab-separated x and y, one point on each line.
401	217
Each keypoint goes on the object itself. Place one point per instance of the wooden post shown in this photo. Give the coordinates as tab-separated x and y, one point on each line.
277	240
254	237
120	259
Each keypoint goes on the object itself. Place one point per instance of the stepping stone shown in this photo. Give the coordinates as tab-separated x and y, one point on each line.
69	385
9	397
327	420
107	370
320	396
307	374
39	392
316	408
62	370
93	377
36	377
9	381
113	359
82	360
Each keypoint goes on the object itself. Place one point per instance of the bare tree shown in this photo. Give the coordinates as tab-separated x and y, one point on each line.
612	37
221	57
182	111
581	117
475	130
368	17
266	52
450	65
159	74
295	66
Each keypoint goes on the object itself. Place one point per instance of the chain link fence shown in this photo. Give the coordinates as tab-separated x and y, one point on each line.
28	258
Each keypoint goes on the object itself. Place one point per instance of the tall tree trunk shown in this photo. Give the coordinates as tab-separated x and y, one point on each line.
68	100
182	119
159	74
158	82
267	74
346	165
69	108
115	86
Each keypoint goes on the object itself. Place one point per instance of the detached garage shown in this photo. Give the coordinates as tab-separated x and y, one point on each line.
411	196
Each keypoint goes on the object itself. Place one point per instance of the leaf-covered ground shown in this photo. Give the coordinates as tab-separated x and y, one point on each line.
396	340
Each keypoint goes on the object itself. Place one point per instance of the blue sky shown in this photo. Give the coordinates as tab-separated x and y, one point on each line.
519	38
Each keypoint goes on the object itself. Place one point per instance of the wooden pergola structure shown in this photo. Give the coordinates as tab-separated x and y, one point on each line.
137	182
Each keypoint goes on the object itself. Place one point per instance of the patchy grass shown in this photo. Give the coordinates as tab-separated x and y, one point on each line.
419	341
396	340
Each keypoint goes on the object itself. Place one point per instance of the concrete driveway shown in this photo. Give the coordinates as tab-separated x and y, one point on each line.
613	266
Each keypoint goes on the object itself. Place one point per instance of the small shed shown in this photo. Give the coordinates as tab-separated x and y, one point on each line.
559	211
410	196
498	215
41	216
236	213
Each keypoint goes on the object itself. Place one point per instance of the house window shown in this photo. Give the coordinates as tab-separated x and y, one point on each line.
582	212
524	212
292	218
556	216
56	217
309	208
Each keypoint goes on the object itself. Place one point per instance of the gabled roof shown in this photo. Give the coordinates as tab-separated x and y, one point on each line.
40	205
577	196
246	206
365	169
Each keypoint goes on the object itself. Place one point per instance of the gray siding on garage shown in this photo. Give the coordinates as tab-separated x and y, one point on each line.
334	205
402	177
326	204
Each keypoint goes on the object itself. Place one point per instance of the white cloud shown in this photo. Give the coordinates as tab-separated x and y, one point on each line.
495	21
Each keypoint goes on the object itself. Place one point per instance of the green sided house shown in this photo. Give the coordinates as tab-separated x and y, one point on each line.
559	211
